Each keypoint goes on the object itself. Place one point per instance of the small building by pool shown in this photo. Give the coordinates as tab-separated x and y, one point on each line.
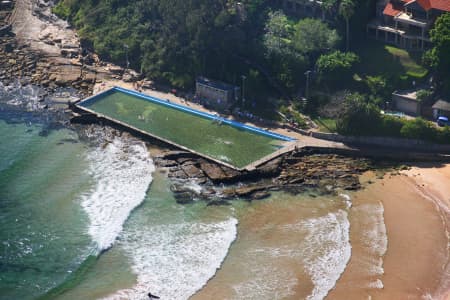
441	108
407	102
225	141
216	94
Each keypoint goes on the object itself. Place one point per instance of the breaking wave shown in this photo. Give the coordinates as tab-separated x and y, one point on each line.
122	171
174	261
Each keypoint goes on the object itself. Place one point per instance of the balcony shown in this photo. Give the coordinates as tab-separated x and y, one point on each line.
408	19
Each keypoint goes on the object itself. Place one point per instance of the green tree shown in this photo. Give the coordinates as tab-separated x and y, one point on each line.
359	117
439	56
327	6
278	35
346	10
377	85
336	67
284	59
418	129
314	36
424	96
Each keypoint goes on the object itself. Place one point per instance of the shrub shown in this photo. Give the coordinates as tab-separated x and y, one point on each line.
443	135
360	117
336	67
391	126
418	129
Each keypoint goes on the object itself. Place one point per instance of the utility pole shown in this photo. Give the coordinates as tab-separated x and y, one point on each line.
126	55
243	90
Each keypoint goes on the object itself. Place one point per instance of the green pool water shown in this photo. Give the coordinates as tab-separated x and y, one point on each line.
226	143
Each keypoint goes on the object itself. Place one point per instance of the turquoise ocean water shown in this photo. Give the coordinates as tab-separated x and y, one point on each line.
43	228
79	220
85	215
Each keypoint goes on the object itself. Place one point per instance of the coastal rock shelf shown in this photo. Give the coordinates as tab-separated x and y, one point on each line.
293	172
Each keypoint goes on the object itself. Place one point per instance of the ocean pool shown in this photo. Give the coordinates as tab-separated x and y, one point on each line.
224	140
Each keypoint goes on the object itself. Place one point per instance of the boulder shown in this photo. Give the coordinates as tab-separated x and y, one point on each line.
184	198
272	167
192	171
180	174
166	163
213	171
260	195
175	155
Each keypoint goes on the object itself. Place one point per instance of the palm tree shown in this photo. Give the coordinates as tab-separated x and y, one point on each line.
327	6
346	10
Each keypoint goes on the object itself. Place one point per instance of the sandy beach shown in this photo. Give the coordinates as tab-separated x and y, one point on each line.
416	216
398	235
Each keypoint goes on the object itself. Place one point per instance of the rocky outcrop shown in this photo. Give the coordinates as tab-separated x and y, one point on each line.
295	173
327	172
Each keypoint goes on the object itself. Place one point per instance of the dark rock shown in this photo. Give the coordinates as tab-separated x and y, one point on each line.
166	163
192	171
174	155
231	174
246	191
180	174
213	171
183	160
353	187
184	198
260	195
272	167
201	180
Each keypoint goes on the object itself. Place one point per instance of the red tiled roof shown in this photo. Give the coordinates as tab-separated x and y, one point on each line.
392	11
443	5
440	4
426	4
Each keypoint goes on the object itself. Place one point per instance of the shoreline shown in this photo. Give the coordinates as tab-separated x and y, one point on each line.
416	263
427	187
398	236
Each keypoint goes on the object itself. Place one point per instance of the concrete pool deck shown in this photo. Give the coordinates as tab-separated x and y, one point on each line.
301	141
285	143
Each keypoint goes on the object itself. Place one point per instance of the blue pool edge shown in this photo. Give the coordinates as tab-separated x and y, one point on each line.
232	123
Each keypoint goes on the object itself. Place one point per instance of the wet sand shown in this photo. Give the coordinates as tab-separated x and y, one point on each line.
398	235
288	247
416	215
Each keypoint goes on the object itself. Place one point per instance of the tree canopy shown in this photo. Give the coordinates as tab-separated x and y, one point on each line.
314	36
360	116
439	56
336	67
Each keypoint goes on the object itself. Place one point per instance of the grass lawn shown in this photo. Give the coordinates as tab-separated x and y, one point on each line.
325	124
380	59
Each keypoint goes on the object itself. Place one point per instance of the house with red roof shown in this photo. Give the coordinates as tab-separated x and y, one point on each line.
406	23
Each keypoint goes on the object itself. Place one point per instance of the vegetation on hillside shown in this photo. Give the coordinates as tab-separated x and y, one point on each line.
279	55
361	117
439	56
173	41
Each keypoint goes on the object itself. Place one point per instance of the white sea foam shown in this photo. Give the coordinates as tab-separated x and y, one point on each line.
374	239
174	261
193	186
377	284
261	288
324	252
122	171
347	198
327	251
